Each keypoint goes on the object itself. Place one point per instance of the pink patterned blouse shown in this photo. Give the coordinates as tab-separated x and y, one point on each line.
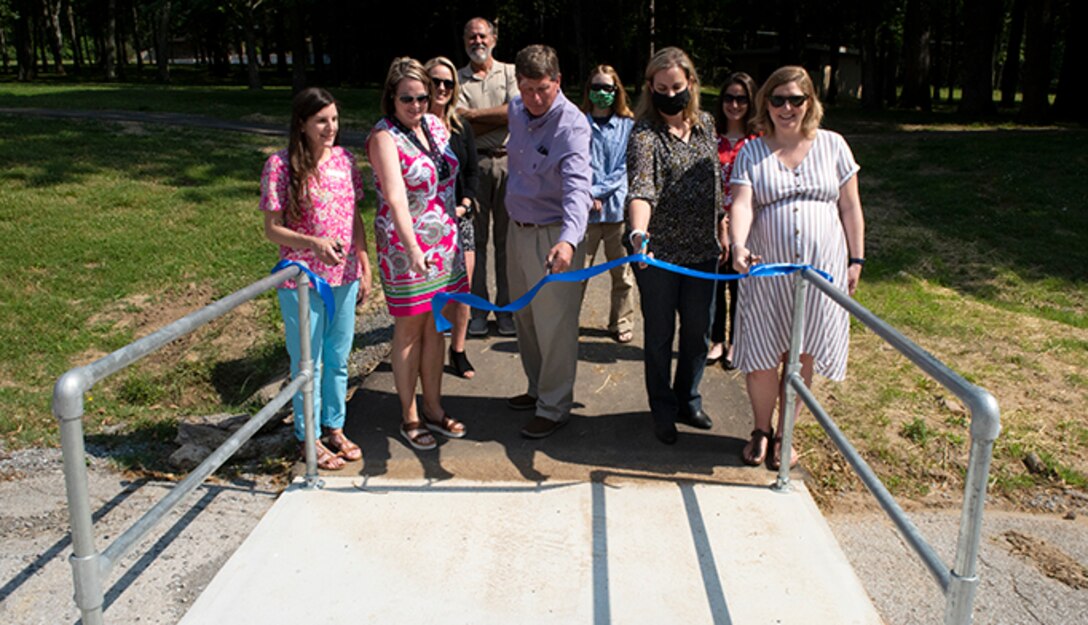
330	211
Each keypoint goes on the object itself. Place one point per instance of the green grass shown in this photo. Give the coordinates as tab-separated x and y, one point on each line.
975	233
359	107
93	215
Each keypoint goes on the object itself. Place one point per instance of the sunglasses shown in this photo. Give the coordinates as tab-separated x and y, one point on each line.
778	101
602	87
408	99
448	84
729	98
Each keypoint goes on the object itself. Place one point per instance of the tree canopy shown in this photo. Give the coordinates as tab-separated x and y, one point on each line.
909	53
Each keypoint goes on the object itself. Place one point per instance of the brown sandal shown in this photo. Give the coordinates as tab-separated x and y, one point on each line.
326	460
447	426
418	436
757	441
337	441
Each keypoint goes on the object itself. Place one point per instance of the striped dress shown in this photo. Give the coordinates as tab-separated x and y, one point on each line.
430	200
795	220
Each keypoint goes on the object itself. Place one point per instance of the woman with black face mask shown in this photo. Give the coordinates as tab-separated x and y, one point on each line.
675	209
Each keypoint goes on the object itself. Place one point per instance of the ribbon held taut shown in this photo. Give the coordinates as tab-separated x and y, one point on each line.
758	271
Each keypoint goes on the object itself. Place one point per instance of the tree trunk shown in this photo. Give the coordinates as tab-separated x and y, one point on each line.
936	66
916	57
978	53
833	69
24	42
136	40
4	49
109	41
888	55
1039	22
871	86
1010	71
953	51
77	49
122	49
53	36
162	41
1072	91
249	23
298	47
281	41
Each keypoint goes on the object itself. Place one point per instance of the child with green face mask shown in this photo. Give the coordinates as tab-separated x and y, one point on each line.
610	120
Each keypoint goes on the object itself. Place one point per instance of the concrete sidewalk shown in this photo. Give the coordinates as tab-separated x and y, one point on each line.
615	550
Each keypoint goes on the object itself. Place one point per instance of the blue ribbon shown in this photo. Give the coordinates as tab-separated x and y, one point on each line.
323	288
757	271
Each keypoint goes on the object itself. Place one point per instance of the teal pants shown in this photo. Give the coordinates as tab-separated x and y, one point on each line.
331	338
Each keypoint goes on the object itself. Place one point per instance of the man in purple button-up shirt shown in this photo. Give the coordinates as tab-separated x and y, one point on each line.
548	199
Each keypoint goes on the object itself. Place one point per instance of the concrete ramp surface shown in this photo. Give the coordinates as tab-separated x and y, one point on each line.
623	549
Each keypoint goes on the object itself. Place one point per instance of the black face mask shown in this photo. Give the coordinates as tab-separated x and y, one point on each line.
671	105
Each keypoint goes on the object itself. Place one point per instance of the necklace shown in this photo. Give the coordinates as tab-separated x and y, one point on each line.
441	164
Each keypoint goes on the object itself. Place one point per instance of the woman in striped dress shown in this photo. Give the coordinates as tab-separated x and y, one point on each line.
795	200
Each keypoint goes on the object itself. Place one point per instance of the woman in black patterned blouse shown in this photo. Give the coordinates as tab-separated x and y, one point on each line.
675	202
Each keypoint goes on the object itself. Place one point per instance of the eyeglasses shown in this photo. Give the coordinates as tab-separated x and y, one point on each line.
408	99
729	98
778	101
442	82
602	87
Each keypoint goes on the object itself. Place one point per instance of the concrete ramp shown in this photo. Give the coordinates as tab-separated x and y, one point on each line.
617	550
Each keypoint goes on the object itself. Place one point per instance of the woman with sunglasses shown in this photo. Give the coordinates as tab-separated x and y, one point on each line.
309	194
604	102
675	206
443	75
732	119
416	235
795	200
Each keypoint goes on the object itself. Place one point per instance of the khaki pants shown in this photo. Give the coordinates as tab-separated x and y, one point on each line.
548	326
622	311
491	219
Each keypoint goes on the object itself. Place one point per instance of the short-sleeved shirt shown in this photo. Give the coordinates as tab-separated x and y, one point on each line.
328	212
681	181
498	87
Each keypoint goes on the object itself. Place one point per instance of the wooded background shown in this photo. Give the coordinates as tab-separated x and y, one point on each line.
913	53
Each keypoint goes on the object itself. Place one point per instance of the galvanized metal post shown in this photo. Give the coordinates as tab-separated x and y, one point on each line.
86	571
793	369
306	367
985	427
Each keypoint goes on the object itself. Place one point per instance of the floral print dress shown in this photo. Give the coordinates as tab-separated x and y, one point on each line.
430	203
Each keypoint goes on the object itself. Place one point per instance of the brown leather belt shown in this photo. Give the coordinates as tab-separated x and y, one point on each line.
523	224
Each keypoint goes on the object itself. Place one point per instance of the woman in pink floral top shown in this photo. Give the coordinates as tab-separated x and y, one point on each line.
309	195
415	231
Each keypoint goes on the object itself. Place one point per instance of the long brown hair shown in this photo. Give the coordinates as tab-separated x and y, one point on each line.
302	162
749	86
619	107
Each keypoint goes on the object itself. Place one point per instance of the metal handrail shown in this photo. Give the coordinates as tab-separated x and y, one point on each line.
89	566
960	581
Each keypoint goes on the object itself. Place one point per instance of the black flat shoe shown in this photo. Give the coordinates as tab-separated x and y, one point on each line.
699	420
666	433
460	364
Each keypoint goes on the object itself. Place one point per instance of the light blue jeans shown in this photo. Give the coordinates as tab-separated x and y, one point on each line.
331	339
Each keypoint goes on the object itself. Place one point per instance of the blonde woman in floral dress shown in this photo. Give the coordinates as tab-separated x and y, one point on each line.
416	235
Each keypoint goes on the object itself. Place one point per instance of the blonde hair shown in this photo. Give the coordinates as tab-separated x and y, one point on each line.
783	76
667	58
619	107
448	116
403	67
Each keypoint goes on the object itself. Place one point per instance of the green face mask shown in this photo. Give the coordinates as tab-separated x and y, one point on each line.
602	99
